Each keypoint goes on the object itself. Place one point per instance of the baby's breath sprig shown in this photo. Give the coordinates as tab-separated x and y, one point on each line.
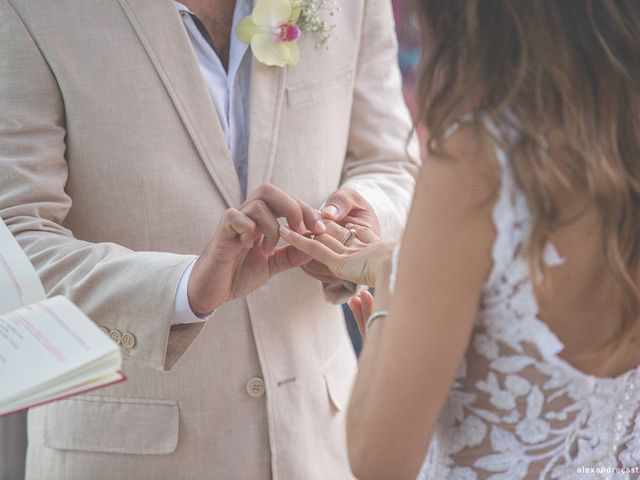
311	19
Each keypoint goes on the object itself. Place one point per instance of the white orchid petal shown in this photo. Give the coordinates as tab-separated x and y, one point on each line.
269	50
293	53
247	29
271	12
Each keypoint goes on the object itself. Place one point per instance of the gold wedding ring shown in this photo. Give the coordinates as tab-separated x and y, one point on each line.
351	233
312	236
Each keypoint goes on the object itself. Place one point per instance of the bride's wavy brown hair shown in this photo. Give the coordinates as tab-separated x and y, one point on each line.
571	67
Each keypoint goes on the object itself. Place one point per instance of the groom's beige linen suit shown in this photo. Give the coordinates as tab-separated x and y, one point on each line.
114	172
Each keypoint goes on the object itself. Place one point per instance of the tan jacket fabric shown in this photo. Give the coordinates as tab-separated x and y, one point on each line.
113	174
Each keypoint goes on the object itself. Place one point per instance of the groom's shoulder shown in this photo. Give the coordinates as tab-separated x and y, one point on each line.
60	15
69	28
57	8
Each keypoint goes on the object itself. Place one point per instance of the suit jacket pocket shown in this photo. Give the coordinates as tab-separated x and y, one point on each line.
318	89
339	374
113	425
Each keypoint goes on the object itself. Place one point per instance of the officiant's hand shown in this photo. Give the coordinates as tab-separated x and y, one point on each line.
242	255
344	206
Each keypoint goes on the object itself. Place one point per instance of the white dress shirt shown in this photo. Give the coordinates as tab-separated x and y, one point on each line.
229	93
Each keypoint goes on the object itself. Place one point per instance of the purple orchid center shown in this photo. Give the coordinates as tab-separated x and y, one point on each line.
288	32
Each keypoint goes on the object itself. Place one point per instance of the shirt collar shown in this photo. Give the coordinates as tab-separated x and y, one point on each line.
237	48
182	8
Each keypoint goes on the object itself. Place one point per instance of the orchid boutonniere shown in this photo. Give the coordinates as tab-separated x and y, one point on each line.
274	27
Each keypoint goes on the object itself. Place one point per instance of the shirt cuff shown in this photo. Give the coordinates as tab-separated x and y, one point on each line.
182	313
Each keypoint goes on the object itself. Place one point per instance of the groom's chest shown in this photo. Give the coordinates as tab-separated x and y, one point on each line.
135	101
106	70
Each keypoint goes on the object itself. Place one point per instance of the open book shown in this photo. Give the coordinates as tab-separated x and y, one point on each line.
48	348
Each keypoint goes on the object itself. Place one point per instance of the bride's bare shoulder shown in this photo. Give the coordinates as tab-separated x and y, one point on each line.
463	164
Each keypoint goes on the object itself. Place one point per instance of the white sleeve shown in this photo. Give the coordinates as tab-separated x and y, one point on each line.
182	313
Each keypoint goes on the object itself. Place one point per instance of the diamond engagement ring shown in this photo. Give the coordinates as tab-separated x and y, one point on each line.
351	233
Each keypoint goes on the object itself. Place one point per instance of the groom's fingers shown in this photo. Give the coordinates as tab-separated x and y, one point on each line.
235	223
312	248
285	258
265	206
262	215
299	215
330	242
338	205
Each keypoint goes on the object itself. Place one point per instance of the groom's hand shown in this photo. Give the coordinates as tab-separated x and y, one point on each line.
348	206
242	255
343	206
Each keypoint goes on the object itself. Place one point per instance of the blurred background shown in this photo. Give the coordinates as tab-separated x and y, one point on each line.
409	47
13	436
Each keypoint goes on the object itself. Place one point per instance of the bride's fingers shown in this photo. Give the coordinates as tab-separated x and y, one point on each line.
355	305
368	303
336	230
313	248
331	242
336	233
362	307
364	234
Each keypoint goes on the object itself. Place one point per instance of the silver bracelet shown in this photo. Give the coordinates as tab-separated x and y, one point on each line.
373	317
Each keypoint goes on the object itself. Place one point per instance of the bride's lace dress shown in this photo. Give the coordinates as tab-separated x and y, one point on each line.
516	409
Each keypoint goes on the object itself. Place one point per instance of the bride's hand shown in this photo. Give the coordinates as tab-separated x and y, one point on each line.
362	259
361	306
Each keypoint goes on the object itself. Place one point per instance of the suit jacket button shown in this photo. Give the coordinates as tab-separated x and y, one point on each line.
128	340
105	329
116	336
255	387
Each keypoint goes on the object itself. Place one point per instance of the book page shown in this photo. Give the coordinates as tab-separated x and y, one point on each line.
50	341
19	282
60	392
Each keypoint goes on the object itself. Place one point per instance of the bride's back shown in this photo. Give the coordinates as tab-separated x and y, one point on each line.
578	300
550	378
560	84
549	382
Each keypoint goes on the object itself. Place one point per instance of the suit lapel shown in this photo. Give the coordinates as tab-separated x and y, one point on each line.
267	94
158	25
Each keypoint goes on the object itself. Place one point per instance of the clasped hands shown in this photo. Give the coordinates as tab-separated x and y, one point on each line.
243	253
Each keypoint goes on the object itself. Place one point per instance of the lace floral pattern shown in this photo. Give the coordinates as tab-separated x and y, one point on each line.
516	409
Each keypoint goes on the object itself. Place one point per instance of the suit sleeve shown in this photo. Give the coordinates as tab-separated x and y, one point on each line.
382	160
132	292
380	163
